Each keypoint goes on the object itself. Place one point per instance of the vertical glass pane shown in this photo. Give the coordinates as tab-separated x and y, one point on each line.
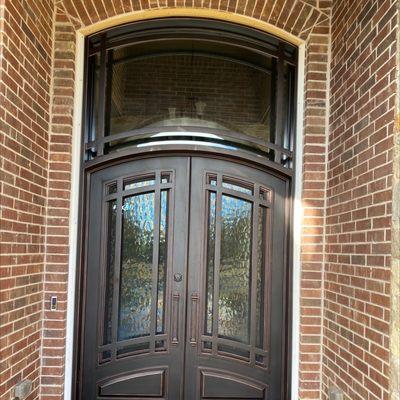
136	267
288	112
262	222
162	262
109	284
234	279
94	62
210	262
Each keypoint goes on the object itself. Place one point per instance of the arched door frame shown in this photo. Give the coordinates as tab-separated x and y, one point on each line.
76	168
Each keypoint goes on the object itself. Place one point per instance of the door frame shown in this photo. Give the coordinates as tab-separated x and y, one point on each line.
78	200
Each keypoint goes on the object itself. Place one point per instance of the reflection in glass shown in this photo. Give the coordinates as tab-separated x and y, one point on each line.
162	261
262	223
210	261
193	84
234	280
136	267
109	284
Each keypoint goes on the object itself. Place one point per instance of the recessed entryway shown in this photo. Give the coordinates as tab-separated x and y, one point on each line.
188	178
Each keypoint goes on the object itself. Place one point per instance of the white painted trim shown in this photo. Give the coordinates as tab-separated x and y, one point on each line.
75	195
297	223
74	211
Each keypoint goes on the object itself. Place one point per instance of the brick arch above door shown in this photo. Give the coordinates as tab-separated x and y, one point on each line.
296	17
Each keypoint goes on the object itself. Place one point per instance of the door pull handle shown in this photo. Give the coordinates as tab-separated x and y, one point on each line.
193	318
175	318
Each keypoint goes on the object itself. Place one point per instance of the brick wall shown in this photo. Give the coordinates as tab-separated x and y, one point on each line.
59	178
36	122
26	47
359	196
308	20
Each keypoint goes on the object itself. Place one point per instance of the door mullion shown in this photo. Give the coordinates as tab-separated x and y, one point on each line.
117	271
154	277
217	259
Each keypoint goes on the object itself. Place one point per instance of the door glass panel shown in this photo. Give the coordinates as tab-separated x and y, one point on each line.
109	284
262	220
235	263
133	183
136	267
238	186
162	261
210	261
111	188
166	177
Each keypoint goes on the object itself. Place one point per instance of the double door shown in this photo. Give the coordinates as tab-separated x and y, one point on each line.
185	281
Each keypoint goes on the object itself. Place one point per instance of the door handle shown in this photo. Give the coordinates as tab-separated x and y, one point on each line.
175	317
193	318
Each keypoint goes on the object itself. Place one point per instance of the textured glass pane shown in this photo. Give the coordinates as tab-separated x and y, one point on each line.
212	180
236	186
262	221
162	261
210	261
234	280
109	284
134	183
136	268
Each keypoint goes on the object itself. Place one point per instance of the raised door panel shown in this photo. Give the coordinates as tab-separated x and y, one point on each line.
139	384
218	384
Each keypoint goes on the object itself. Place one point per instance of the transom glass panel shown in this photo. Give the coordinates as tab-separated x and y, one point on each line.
191	87
194	84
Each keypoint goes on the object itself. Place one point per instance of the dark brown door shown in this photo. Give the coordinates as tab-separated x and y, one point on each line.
185	281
